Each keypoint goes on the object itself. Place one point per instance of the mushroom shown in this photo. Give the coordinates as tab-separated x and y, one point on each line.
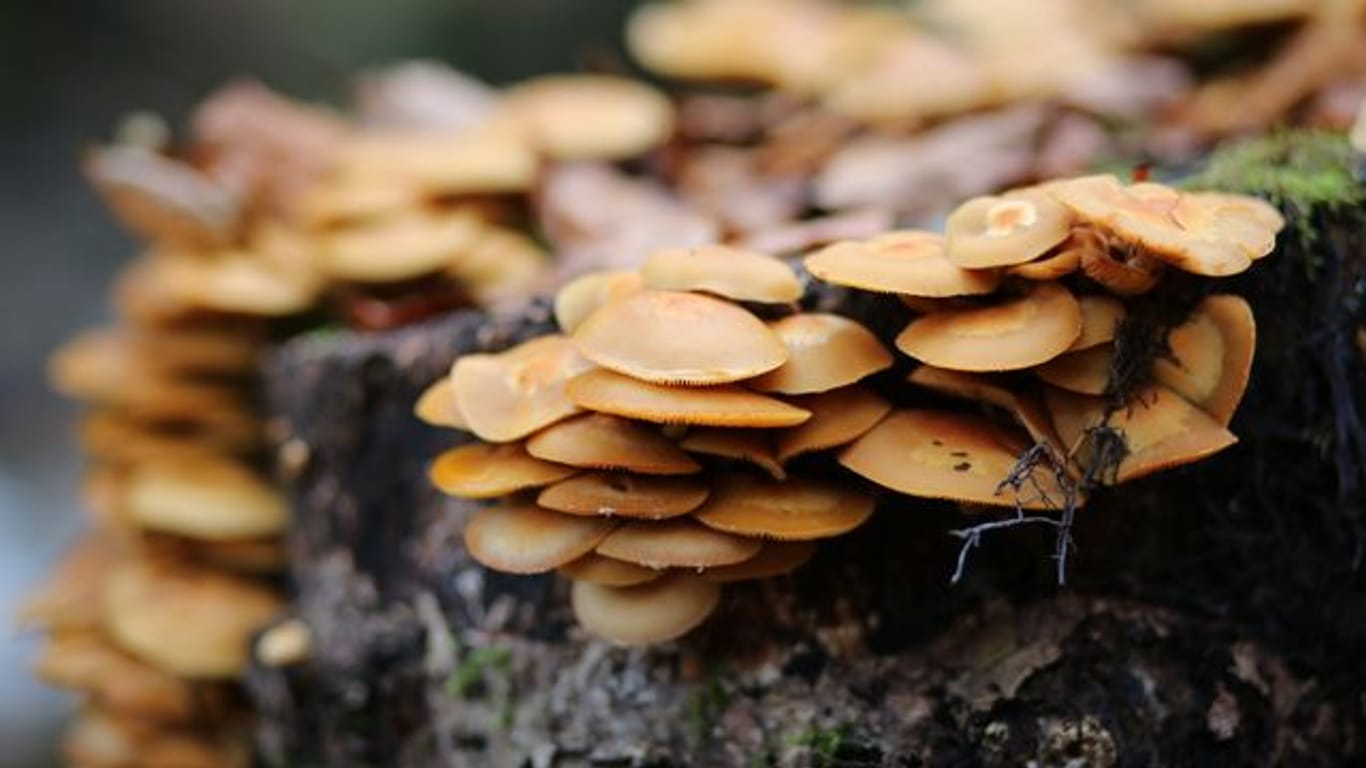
285	644
205	498
527	539
607	572
582	296
587	117
163	200
447	164
669	337
1023	408
775	559
1123	274
1004	231
69	597
485	471
1019	333
1247	221
1160	430
837	417
749	445
397	248
1053	266
102	738
824	352
722	270
951	456
511	394
1100	319
654	612
1086	372
677	543
647	497
85	661
210	614
798	508
1211	356
604	391
908	262
436	406
600	441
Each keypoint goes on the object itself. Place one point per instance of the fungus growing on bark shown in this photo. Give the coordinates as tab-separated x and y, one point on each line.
528	539
511	394
1211	356
1005	231
798	509
1018	333
582	296
587	117
729	272
596	569
643	614
717	406
486	471
753	446
824	352
837	417
204	498
599	441
648	497
911	263
677	543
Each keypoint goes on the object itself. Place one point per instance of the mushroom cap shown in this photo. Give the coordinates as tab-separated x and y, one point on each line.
1053	266
670	337
909	262
646	497
1026	409
485	471
101	366
500	265
722	270
1220	14
69	597
1128	277
1247	221
111	436
601	441
677	543
86	661
654	612
1211	356
472	162
824	352
775	559
101	737
508	395
952	456
579	298
1004	231
605	391
204	498
1086	372
210	614
1142	215
348	199
1100	319
795	509
1016	334
1160	429
837	417
596	569
286	643
231	283
260	556
588	117
399	248
163	200
527	539
436	406
749	445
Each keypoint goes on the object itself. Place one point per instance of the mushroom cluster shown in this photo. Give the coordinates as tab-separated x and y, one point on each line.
661	444
274	217
1033	305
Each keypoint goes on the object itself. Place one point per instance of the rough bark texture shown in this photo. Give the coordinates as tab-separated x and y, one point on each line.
1169	647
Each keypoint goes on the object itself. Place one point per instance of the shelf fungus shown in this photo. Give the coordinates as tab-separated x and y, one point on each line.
644	452
1066	363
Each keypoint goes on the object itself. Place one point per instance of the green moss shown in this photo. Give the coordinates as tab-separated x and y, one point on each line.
1301	171
707	704
474	666
837	746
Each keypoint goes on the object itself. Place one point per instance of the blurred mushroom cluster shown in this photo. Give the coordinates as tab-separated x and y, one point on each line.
1080	316
664	442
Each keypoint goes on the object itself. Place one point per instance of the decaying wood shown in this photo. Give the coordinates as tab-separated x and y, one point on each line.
866	656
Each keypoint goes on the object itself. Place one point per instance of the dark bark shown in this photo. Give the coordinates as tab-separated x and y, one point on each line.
1168	647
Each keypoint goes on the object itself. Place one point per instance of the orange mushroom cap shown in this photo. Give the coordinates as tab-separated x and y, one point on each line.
678	543
1003	231
824	352
206	498
749	445
949	456
647	497
577	117
725	271
436	406
1100	319
722	406
908	262
653	612
528	539
398	248
775	559
508	395
485	471
1086	372
1025	408
601	441
579	298
798	508
837	417
1018	334
1211	356
669	337
596	569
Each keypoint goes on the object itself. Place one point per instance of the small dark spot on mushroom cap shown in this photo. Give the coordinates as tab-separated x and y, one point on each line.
962	467
959	454
937	443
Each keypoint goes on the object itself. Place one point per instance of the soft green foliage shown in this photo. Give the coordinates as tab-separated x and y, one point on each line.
1301	171
473	667
835	746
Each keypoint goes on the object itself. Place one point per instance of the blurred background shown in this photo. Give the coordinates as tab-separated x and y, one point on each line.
68	70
